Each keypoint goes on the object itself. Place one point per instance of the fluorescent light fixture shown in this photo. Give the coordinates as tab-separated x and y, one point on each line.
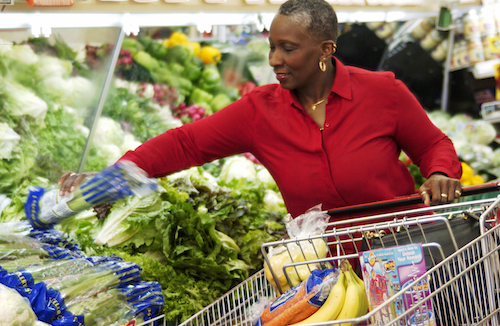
204	24
46	31
132	22
130	27
36	31
367	16
393	16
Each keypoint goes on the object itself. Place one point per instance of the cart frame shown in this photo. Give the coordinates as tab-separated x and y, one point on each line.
469	277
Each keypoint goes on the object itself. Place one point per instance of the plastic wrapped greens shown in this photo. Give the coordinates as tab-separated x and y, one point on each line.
18	250
45	208
137	302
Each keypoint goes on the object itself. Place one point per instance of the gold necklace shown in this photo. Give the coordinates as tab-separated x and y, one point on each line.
313	107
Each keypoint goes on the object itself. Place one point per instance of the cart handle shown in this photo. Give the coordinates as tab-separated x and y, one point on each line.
409	200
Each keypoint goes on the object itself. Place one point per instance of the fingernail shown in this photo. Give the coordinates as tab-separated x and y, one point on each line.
72	188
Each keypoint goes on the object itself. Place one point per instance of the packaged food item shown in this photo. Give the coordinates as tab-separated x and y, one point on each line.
425	26
487	24
472	26
475	50
439	52
299	302
45	208
389	270
431	40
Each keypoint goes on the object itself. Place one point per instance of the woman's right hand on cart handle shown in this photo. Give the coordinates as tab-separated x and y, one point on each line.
440	189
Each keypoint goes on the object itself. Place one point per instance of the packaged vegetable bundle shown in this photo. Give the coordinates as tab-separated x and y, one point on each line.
24	280
50	288
115	306
48	236
297	303
19	250
45	208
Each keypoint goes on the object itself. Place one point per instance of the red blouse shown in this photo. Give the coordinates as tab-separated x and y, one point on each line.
370	117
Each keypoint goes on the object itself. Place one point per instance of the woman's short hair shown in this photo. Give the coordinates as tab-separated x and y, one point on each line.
317	15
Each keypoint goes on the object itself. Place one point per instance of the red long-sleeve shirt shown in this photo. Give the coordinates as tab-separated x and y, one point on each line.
370	117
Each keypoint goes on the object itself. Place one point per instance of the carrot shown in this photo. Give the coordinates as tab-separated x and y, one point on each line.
289	313
308	311
268	315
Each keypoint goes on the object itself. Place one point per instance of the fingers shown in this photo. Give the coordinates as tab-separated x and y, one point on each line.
69	181
440	190
426	197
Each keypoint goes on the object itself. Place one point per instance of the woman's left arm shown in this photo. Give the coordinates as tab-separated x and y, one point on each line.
429	148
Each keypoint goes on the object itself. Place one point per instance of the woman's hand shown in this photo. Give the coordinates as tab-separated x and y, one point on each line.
439	189
69	181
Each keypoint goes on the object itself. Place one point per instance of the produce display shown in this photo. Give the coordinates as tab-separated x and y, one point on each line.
200	233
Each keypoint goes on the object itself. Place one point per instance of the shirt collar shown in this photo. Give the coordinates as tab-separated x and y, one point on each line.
341	85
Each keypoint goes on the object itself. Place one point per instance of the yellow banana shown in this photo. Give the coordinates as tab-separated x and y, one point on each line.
332	305
352	302
362	286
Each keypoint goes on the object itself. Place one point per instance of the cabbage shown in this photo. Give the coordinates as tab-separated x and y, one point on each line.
238	167
129	143
5	49
265	177
183	180
19	101
109	152
273	201
441	120
108	131
49	66
77	92
23	53
82	92
8	141
481	132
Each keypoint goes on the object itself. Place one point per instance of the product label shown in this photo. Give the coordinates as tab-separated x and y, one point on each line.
388	270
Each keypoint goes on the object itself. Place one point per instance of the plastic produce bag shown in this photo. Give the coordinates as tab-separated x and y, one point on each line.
45	208
312	223
137	302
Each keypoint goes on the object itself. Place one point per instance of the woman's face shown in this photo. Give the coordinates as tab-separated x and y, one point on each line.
293	54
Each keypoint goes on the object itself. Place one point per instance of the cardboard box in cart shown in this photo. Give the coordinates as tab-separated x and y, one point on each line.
388	270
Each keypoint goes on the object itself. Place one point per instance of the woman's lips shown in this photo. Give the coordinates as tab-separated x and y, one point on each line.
282	77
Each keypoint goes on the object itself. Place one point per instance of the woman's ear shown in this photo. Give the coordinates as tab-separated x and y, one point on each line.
328	48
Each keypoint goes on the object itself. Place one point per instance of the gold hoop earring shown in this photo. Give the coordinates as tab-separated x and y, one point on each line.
334	48
322	66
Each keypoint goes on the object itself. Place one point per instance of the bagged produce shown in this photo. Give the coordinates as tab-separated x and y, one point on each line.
309	224
44	207
297	303
135	303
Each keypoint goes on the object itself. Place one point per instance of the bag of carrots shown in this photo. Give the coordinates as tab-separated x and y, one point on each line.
300	301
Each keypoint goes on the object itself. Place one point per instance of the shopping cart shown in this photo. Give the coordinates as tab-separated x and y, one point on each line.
464	279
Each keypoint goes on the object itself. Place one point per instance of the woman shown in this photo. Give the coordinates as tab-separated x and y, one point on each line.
327	133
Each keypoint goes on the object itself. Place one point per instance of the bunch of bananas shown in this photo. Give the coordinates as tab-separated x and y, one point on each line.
346	300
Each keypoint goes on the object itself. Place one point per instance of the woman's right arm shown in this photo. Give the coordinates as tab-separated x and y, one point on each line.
224	133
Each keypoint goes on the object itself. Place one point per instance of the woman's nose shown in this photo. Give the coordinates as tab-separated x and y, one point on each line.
274	59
